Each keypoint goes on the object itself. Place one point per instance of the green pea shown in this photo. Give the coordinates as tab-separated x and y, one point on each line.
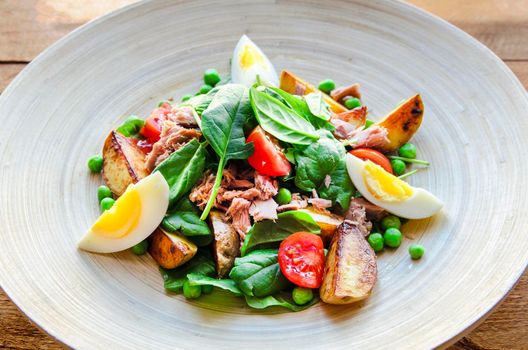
205	89
284	196
211	77
376	241
369	123
107	203
207	289
186	97
327	85
398	166
95	164
352	103
390	221
302	296
392	237
103	192
408	150
416	251
140	248
190	291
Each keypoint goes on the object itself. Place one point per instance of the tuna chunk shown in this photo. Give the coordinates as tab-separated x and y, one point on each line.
373	212
340	93
239	213
357	215
297	202
267	186
263	210
355	117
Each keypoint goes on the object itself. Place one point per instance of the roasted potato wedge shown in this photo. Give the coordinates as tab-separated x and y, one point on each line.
123	163
402	122
170	250
327	222
226	244
296	86
350	269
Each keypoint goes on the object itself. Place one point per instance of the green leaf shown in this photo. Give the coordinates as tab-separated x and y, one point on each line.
259	274
341	188
317	105
184	218
280	120
269	234
278	300
202	264
131	127
201	102
183	168
226	284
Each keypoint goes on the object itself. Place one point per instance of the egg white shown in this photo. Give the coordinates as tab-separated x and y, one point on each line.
153	191
421	204
248	75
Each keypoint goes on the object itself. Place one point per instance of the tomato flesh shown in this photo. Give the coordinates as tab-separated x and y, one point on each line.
374	156
301	259
152	128
267	158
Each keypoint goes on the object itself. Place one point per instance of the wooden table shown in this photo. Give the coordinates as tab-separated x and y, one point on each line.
28	26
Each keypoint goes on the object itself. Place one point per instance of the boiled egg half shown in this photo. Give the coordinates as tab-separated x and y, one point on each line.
132	218
248	62
389	192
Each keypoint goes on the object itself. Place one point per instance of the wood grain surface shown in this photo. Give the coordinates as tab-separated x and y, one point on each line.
28	26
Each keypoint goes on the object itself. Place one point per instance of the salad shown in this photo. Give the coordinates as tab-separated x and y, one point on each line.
268	187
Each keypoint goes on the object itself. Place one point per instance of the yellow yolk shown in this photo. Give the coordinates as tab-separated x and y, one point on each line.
385	186
250	56
122	218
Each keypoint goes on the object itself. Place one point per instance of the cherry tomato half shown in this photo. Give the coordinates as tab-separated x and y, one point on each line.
301	259
152	128
374	156
267	158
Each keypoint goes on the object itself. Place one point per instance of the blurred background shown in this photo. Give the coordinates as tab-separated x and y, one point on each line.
27	27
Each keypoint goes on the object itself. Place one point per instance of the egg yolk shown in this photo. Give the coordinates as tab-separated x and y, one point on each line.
122	218
385	186
250	56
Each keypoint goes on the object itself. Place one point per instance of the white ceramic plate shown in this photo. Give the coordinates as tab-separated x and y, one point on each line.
58	111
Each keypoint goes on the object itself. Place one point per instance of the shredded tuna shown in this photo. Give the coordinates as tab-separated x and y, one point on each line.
296	203
342	92
356	117
356	213
373	137
372	211
320	204
239	213
267	186
201	192
183	116
231	180
263	210
249	194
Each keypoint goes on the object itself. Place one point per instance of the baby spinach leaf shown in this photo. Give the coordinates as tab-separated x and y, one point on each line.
317	105
277	300
340	189
182	169
202	264
259	274
131	127
184	218
269	234
201	102
280	120
227	284
222	124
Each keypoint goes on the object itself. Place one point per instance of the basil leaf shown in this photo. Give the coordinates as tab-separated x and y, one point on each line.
269	234
227	284
182	169
280	120
259	274
184	218
222	126
317	105
278	300
202	264
131	127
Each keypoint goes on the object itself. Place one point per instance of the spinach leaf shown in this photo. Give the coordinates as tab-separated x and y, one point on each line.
131	127
201	102
317	105
184	218
315	162
222	124
259	274
202	264
182	169
227	284
278	300
269	234
280	120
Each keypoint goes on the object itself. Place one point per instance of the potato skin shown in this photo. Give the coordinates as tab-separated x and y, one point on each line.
402	122
226	244
328	223
170	250
296	86
350	269
123	163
